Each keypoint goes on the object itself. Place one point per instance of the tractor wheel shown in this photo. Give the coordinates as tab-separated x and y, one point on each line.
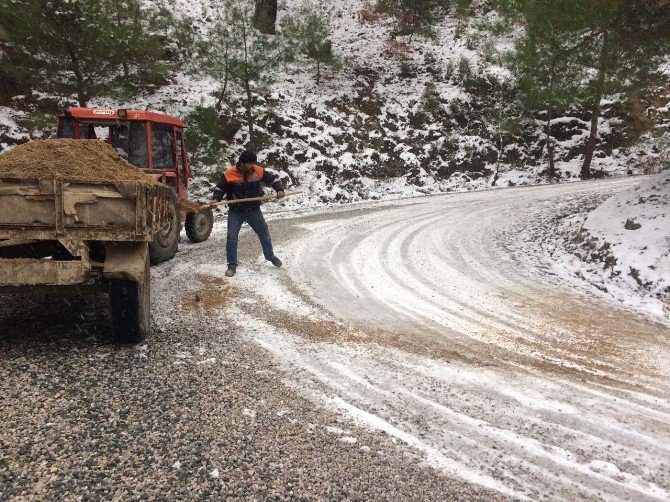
199	225
130	308
165	243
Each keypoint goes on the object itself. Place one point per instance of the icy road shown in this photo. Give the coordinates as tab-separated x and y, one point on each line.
428	320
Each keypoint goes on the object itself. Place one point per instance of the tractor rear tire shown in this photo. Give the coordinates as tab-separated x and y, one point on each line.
199	225
166	242
130	303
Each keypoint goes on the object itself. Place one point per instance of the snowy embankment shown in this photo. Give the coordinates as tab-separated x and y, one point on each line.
618	247
634	226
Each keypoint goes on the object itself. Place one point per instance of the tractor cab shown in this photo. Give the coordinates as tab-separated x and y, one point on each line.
153	142
149	140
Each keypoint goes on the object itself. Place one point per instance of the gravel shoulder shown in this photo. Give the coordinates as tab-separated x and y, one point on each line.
196	413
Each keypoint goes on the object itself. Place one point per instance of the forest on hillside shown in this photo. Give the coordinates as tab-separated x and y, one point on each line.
492	86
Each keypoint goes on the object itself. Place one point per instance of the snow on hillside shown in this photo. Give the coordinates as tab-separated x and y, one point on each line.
404	119
617	248
401	117
9	126
633	230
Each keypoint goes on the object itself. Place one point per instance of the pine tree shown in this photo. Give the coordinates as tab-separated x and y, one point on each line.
309	32
236	53
499	117
57	41
548	75
215	52
77	46
141	34
599	49
627	41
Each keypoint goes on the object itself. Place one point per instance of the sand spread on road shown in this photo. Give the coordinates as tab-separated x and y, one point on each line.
215	294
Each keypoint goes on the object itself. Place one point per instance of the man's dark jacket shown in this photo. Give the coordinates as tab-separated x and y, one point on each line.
235	184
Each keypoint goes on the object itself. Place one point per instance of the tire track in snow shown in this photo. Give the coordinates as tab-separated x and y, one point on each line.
565	397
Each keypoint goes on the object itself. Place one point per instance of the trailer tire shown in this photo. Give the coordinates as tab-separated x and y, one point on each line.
165	243
199	225
130	302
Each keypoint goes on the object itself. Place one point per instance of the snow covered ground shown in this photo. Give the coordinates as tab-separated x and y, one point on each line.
615	247
425	319
635	225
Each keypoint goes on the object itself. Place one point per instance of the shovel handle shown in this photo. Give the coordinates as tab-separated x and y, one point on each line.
251	199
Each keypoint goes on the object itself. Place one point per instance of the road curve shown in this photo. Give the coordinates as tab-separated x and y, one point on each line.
423	318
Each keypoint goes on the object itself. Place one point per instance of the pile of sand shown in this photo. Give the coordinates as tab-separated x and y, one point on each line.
69	160
189	206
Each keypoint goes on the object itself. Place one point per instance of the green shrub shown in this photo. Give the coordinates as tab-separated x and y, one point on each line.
39	124
207	138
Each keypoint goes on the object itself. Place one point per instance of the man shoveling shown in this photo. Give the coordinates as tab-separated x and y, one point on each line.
241	181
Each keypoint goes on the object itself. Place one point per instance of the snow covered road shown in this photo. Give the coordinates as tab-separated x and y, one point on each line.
424	319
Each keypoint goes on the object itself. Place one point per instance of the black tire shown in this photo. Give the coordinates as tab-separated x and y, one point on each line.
199	225
166	242
130	303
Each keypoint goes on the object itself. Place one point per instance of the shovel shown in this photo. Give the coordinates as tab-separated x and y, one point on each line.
193	207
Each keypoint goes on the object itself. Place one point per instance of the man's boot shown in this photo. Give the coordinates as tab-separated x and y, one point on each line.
276	261
230	272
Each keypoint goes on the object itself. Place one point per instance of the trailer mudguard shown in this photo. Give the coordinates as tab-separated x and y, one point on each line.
126	260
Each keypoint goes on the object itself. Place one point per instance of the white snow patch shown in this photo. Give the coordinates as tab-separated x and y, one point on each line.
348	439
434	457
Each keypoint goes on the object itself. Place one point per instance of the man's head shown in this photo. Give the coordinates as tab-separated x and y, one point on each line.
247	161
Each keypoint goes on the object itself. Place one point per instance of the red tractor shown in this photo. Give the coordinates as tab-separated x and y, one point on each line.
153	142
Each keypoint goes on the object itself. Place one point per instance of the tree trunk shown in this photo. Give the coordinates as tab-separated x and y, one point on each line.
81	82
222	95
265	16
225	83
550	149
591	141
318	72
496	175
250	118
247	88
124	62
595	113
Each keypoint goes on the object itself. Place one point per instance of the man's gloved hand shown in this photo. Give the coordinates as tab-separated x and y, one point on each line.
281	194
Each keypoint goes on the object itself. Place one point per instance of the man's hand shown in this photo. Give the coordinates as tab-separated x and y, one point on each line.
281	194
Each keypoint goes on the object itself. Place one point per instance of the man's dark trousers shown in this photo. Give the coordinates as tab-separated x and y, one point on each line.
256	221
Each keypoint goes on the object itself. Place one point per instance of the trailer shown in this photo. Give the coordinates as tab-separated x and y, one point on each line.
56	233
97	230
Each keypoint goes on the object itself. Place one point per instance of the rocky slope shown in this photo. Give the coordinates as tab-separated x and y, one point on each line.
402	117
